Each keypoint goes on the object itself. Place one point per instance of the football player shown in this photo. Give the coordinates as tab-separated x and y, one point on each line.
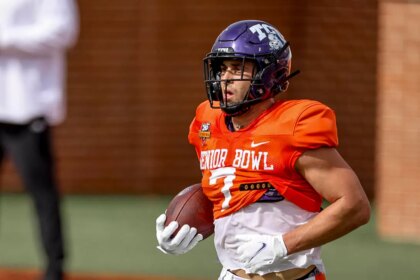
266	164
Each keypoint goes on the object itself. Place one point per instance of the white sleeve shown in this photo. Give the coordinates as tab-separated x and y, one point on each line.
56	27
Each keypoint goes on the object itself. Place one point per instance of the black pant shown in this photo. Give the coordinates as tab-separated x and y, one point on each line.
29	147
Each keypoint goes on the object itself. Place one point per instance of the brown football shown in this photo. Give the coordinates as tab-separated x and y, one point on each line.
190	206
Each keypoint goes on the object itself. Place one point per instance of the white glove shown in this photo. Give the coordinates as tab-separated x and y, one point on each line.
182	242
259	251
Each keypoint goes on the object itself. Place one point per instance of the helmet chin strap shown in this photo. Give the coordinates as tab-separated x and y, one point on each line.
240	109
236	110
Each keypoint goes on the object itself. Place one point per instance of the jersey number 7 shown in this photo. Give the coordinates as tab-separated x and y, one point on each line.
228	173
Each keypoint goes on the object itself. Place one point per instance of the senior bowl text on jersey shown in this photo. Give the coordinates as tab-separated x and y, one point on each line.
248	159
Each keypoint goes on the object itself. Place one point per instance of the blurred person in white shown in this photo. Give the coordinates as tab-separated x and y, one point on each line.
34	38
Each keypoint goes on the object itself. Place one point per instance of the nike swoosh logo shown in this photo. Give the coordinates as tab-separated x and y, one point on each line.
263	245
253	145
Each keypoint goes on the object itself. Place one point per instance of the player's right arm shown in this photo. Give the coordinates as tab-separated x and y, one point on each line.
328	173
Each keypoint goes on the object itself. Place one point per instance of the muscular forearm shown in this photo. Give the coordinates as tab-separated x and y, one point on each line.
341	217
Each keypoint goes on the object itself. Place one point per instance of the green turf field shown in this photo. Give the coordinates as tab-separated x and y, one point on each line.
116	234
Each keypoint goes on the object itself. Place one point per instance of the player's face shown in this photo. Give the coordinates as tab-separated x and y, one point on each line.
234	92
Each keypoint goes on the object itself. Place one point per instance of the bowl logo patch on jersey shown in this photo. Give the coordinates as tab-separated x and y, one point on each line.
204	133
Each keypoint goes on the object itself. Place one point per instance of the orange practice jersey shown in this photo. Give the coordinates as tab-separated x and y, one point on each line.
239	166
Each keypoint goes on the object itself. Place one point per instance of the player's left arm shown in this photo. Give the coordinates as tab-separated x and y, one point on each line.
334	179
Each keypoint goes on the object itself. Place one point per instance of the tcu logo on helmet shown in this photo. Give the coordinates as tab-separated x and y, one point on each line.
264	31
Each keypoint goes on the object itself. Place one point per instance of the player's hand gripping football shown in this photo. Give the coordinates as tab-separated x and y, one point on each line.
258	251
182	242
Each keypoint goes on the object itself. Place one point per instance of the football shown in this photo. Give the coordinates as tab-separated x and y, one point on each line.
190	206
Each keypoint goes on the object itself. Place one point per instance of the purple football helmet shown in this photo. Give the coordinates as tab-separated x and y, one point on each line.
255	41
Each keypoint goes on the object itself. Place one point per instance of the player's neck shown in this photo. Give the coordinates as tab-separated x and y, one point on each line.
254	112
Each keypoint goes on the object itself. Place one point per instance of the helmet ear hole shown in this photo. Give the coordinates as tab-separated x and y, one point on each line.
279	74
273	77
